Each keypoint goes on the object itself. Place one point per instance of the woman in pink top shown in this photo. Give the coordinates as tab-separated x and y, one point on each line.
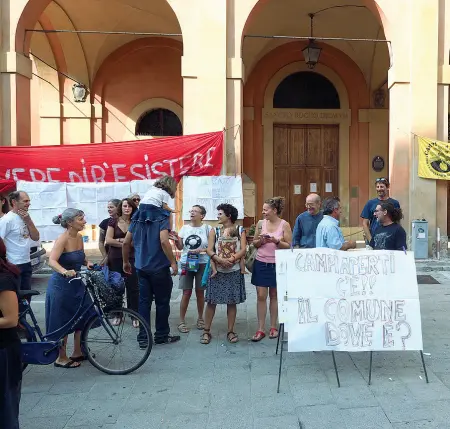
272	233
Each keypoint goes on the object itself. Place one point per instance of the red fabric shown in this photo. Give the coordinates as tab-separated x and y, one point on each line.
193	155
7	186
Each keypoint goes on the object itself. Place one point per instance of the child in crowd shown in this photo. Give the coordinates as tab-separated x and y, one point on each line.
227	247
159	194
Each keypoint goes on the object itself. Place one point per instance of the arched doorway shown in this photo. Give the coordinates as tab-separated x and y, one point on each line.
159	123
305	156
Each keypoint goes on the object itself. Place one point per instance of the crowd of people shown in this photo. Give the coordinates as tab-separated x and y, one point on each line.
136	240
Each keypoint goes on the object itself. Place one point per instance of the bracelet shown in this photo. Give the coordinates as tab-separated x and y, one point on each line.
212	256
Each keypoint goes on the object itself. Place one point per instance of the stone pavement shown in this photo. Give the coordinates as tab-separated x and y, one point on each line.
221	386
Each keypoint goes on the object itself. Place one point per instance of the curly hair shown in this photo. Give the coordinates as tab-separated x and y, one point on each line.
276	203
394	213
168	184
229	211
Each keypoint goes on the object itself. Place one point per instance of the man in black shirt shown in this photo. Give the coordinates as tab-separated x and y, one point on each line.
390	235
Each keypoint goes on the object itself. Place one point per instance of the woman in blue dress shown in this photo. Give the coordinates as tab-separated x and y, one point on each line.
63	298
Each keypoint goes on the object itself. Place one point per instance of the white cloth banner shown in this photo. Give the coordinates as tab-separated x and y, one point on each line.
47	200
92	198
210	191
349	301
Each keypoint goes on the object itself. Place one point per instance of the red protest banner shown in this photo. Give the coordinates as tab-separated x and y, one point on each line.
192	155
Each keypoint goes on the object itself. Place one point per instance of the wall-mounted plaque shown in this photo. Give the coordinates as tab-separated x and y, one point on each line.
378	164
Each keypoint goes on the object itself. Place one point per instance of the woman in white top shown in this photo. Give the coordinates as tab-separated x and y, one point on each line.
192	240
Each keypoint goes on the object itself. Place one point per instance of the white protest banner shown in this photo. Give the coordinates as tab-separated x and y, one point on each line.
47	200
92	198
210	191
281	260
352	301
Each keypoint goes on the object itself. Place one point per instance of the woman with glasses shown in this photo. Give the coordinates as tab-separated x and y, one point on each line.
115	236
112	211
136	198
390	235
273	233
192	240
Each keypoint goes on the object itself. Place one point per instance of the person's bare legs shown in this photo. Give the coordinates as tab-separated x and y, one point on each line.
261	306
231	317
63	358
209	316
77	352
185	298
200	294
273	307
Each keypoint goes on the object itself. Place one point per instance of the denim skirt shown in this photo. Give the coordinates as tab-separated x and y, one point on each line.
264	274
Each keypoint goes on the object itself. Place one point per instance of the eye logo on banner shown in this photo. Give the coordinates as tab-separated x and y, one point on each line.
434	159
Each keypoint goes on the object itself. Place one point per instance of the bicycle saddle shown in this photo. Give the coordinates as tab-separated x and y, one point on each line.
25	293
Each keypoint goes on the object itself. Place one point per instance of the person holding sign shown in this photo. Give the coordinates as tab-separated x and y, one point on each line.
227	286
272	233
328	233
370	222
390	235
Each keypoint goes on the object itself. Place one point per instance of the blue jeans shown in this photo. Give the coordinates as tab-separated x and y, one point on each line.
159	284
25	275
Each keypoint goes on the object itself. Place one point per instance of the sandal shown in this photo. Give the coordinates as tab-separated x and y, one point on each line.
273	333
183	328
68	365
200	324
206	337
135	323
232	337
258	336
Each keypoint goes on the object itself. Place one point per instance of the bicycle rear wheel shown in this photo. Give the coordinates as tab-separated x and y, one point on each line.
115	349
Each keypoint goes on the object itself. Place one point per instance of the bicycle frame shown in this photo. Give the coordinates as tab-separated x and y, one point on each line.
71	324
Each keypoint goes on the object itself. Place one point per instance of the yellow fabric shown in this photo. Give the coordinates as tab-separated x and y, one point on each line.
434	159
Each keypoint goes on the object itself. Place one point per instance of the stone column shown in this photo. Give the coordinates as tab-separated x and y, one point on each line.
16	72
204	65
413	111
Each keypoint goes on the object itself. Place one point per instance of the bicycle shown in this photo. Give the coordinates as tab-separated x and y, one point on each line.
98	333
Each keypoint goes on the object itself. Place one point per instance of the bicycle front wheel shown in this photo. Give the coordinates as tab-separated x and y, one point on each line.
114	347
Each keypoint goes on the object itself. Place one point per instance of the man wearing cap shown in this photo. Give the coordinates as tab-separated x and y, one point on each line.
370	222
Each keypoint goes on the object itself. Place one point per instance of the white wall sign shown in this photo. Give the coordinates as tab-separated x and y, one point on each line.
210	191
297	189
349	301
313	187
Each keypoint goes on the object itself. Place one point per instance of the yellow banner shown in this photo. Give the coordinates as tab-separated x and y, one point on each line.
434	159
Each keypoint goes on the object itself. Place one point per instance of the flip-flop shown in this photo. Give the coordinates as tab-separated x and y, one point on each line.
273	333
78	358
258	336
67	365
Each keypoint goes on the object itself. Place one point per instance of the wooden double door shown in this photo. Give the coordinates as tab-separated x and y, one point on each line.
305	161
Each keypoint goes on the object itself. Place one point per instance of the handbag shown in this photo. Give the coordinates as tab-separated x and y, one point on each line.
250	257
205	275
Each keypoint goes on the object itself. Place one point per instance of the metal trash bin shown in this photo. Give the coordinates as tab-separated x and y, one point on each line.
419	238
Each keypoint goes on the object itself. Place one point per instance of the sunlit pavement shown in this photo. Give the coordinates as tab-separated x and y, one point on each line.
193	386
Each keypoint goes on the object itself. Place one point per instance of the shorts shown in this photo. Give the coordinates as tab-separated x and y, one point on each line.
187	280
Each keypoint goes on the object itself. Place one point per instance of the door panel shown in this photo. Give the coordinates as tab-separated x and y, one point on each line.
304	154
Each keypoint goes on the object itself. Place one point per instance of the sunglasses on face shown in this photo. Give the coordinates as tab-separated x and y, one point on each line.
136	200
